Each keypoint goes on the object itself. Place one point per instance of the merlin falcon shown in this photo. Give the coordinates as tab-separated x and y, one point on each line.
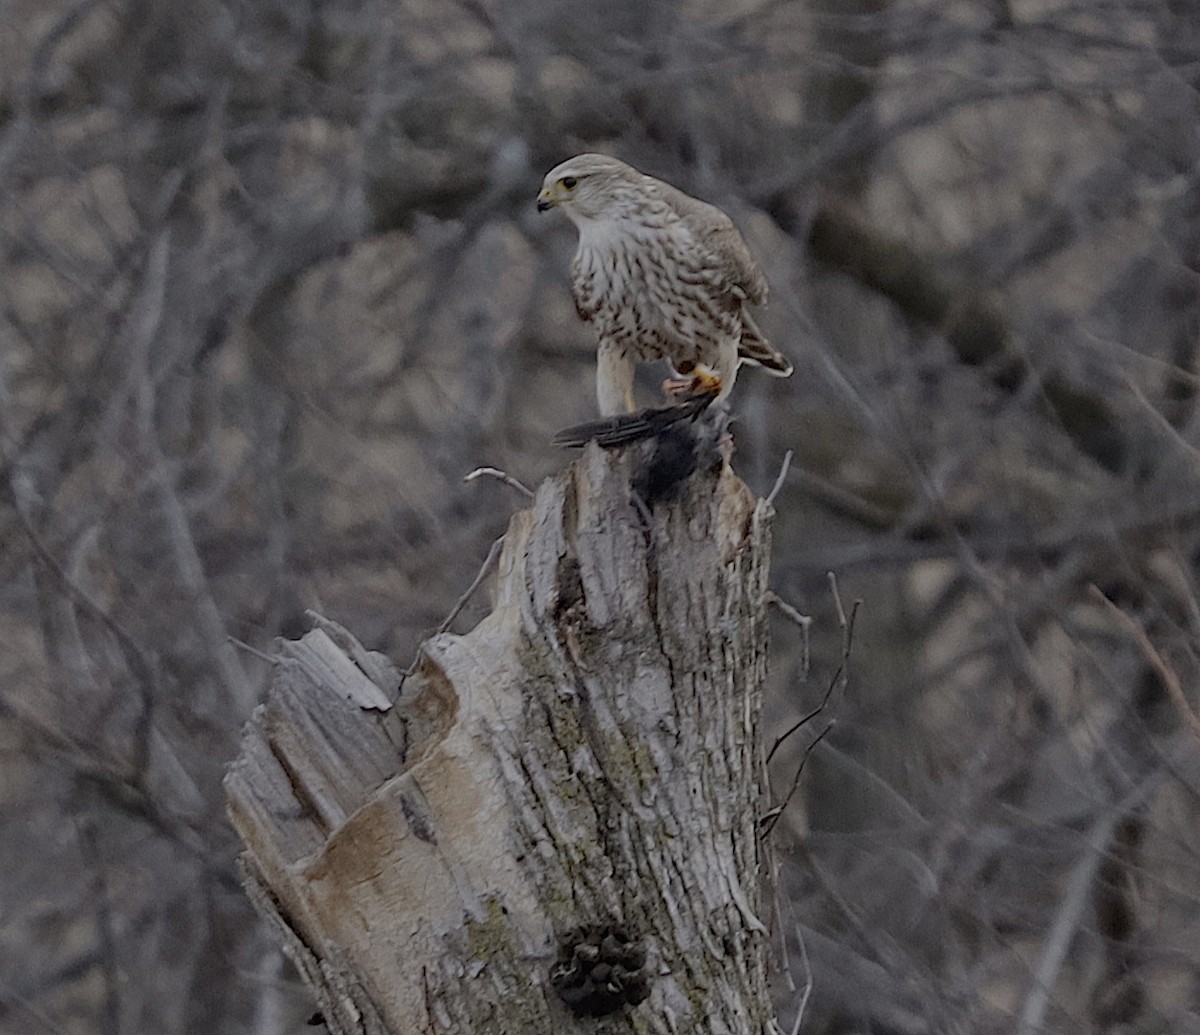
660	275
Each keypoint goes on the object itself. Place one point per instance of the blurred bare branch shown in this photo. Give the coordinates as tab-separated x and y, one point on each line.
271	278
1170	679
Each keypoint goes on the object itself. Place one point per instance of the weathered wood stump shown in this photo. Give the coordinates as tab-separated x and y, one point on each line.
584	764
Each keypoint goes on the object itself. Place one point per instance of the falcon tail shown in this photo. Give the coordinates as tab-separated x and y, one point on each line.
757	351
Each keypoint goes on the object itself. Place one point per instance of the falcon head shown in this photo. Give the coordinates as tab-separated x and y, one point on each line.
588	187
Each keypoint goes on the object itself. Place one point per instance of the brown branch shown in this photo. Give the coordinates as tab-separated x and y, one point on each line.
1165	672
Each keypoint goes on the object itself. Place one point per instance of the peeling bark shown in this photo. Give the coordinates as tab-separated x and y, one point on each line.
588	754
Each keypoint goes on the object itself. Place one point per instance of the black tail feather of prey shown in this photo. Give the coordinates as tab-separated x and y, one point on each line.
626	428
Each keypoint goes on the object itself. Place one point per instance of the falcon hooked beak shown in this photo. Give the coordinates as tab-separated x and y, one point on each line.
545	201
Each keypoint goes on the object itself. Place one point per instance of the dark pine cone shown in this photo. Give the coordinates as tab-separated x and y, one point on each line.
600	968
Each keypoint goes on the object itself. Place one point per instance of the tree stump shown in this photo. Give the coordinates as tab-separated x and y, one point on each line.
558	818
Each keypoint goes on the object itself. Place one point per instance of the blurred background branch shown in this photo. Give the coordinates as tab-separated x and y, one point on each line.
272	283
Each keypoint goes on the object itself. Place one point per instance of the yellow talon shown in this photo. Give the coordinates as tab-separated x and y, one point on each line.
699	380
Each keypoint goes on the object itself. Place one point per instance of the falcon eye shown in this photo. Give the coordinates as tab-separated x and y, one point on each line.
569	182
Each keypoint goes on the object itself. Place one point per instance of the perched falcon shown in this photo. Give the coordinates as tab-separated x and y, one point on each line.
660	275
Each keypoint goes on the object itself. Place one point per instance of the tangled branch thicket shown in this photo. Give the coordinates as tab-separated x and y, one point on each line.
272	283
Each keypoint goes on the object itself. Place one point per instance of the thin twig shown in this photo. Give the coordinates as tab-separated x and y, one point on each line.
785	961
789	612
769	820
774	890
837	600
840	678
1165	673
488	563
1068	917
106	933
140	664
779	480
261	655
485	569
795	617
833	683
500	476
808	982
845	623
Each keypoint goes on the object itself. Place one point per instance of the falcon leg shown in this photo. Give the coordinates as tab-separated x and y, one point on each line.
614	381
